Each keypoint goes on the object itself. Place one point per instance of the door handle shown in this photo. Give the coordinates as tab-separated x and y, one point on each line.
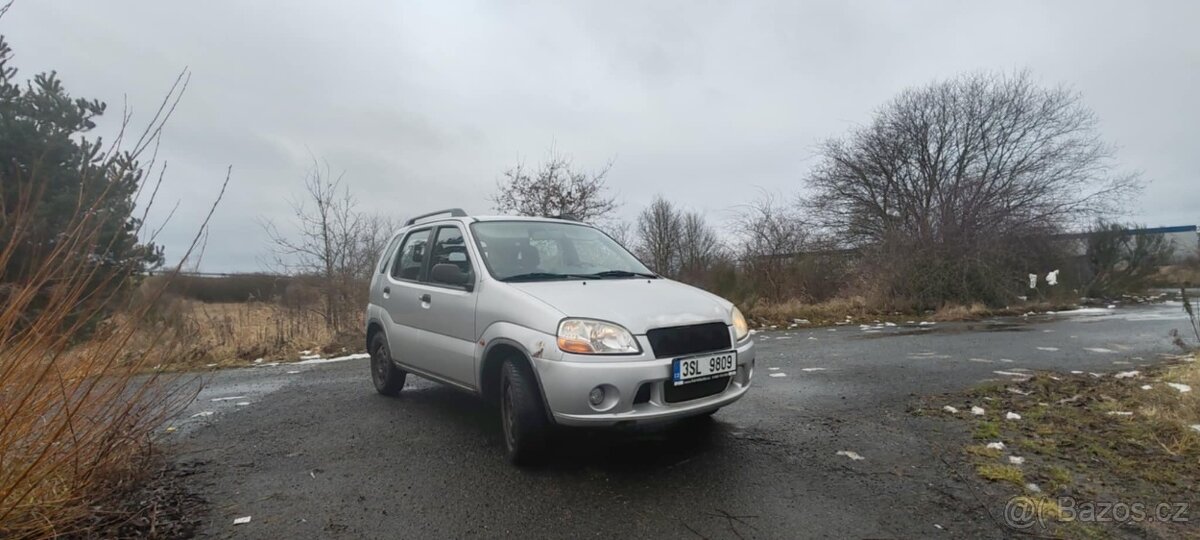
425	298
387	290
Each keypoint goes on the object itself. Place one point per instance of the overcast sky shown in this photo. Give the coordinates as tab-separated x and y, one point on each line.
423	106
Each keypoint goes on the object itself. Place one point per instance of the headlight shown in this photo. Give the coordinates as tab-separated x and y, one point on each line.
740	329
585	336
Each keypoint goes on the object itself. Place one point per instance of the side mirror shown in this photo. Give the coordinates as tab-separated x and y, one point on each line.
449	274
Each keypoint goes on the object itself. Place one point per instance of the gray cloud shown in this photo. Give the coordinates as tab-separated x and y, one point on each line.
424	105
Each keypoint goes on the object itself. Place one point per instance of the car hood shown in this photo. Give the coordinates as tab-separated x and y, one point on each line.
637	304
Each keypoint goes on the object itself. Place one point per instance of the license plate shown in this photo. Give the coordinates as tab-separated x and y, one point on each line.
702	368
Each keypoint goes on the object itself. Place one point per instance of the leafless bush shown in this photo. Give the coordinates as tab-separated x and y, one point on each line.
555	189
333	241
1119	262
77	420
952	177
772	241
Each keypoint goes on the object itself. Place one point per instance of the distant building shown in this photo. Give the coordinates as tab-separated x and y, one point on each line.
1184	241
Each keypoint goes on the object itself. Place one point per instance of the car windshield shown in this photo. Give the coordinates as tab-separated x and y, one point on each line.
545	251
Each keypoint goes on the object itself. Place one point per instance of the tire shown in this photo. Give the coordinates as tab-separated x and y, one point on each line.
522	418
388	378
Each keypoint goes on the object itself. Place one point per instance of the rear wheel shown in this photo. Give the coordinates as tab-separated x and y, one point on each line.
521	415
388	378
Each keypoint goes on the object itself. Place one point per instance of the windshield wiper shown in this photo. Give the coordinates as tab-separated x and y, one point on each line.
621	274
542	276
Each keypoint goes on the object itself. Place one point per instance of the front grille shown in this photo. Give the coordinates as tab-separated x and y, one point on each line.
696	390
683	340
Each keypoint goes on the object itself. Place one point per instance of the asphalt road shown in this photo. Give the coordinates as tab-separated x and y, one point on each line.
312	451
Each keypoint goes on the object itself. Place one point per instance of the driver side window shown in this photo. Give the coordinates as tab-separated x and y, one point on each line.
411	256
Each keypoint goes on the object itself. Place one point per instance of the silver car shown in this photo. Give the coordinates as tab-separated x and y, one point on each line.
555	321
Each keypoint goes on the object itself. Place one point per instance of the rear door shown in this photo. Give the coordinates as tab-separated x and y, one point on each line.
447	323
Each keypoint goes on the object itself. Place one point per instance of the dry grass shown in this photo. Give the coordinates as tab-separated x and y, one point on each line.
859	310
230	334
1094	439
959	312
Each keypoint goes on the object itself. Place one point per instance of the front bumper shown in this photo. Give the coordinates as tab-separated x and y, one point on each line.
566	382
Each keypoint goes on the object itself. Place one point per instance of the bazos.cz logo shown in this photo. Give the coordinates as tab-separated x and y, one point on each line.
1024	512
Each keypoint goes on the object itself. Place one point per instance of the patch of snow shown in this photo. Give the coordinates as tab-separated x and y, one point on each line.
258	360
801	321
852	455
293	372
889	324
781	338
1032	487
1100	350
811	369
1052	278
996	445
1196	427
1096	375
319	360
1048	349
1181	387
1076	372
1033	281
1127	374
812	338
1016	460
242	520
928	323
950	409
231	398
309	357
778	375
1121	363
1147	387
1112	306
1011	374
242	403
1017	391
1006	360
977	411
773	369
980	360
202	414
1012	416
1120	413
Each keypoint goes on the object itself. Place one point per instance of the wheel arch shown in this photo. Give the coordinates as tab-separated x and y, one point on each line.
497	351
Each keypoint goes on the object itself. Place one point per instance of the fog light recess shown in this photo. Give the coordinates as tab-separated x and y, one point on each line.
603	397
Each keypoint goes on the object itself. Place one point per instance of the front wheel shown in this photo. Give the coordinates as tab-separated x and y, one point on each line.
521	415
388	378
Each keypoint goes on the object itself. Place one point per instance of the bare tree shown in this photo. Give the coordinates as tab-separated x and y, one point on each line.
772	236
620	231
961	170
555	189
329	231
699	247
659	228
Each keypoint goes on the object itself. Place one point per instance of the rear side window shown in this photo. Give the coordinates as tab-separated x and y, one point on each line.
411	256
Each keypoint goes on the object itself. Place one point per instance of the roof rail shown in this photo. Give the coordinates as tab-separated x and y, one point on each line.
454	212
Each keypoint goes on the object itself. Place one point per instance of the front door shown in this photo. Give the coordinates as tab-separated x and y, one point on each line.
447	325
